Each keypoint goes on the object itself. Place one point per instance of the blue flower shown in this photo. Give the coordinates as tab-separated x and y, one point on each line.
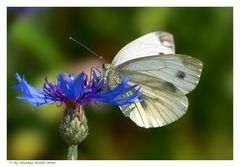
78	90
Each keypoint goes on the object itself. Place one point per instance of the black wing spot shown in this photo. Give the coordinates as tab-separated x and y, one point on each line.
180	75
171	87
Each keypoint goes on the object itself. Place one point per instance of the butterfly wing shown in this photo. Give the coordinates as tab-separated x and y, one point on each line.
165	79
163	103
180	70
154	43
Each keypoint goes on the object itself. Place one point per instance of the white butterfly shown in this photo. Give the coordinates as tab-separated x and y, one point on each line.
165	78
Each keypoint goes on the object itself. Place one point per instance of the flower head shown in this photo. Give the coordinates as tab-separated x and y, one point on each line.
77	90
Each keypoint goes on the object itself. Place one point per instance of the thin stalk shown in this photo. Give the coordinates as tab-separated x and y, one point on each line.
72	153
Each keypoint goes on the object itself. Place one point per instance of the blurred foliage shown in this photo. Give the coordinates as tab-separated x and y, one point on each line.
39	46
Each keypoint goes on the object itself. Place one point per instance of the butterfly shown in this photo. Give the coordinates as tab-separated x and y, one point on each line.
164	77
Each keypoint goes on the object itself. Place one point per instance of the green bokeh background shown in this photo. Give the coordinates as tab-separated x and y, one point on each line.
38	46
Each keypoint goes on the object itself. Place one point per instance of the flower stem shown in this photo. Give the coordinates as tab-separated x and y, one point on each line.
72	153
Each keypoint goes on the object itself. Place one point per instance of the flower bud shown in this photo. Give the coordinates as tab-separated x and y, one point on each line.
73	128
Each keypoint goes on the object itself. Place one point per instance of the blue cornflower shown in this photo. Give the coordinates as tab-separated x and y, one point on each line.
77	91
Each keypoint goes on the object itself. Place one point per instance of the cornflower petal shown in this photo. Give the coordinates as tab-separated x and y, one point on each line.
78	84
35	96
62	85
118	95
69	83
79	91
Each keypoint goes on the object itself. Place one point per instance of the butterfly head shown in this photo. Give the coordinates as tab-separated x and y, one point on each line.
108	70
107	67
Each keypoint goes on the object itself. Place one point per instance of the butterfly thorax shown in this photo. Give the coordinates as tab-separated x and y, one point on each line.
111	75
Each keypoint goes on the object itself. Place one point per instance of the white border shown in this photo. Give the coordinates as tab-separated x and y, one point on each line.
179	3
236	90
3	74
69	3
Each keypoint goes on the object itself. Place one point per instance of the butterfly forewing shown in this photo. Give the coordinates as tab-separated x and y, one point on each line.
154	43
180	70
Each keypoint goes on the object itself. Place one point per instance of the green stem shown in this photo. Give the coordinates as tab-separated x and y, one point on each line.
72	152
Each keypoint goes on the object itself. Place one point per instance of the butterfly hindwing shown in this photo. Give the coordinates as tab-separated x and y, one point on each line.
163	103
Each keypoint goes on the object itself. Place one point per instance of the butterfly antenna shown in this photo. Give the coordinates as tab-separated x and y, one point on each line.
74	40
